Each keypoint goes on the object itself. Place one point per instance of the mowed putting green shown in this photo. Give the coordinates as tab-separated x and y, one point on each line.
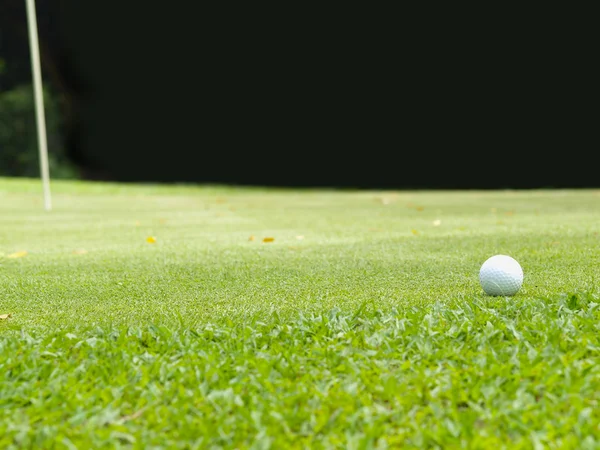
230	317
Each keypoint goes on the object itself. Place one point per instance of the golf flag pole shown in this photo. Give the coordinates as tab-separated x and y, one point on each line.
39	101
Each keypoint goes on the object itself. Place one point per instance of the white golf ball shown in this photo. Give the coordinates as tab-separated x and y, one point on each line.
501	275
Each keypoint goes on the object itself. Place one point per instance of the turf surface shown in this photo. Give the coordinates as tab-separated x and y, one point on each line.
360	325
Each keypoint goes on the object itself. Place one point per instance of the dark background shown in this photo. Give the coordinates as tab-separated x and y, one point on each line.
380	99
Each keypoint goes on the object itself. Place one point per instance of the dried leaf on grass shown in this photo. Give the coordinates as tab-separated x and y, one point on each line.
387	199
135	415
5	316
18	254
268	239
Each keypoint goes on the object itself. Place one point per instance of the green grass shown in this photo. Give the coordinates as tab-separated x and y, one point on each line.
369	332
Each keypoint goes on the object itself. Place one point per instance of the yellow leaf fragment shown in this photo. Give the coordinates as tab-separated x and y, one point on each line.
5	316
268	239
151	240
251	238
419	208
80	251
20	254
415	232
437	222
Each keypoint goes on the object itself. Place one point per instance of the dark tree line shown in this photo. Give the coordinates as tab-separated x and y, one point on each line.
18	140
176	93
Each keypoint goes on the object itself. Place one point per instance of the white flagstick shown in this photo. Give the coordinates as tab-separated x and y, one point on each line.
39	101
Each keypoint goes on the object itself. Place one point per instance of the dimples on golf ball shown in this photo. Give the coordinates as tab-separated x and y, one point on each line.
501	275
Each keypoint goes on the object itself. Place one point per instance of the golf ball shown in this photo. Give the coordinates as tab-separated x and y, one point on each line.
501	275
